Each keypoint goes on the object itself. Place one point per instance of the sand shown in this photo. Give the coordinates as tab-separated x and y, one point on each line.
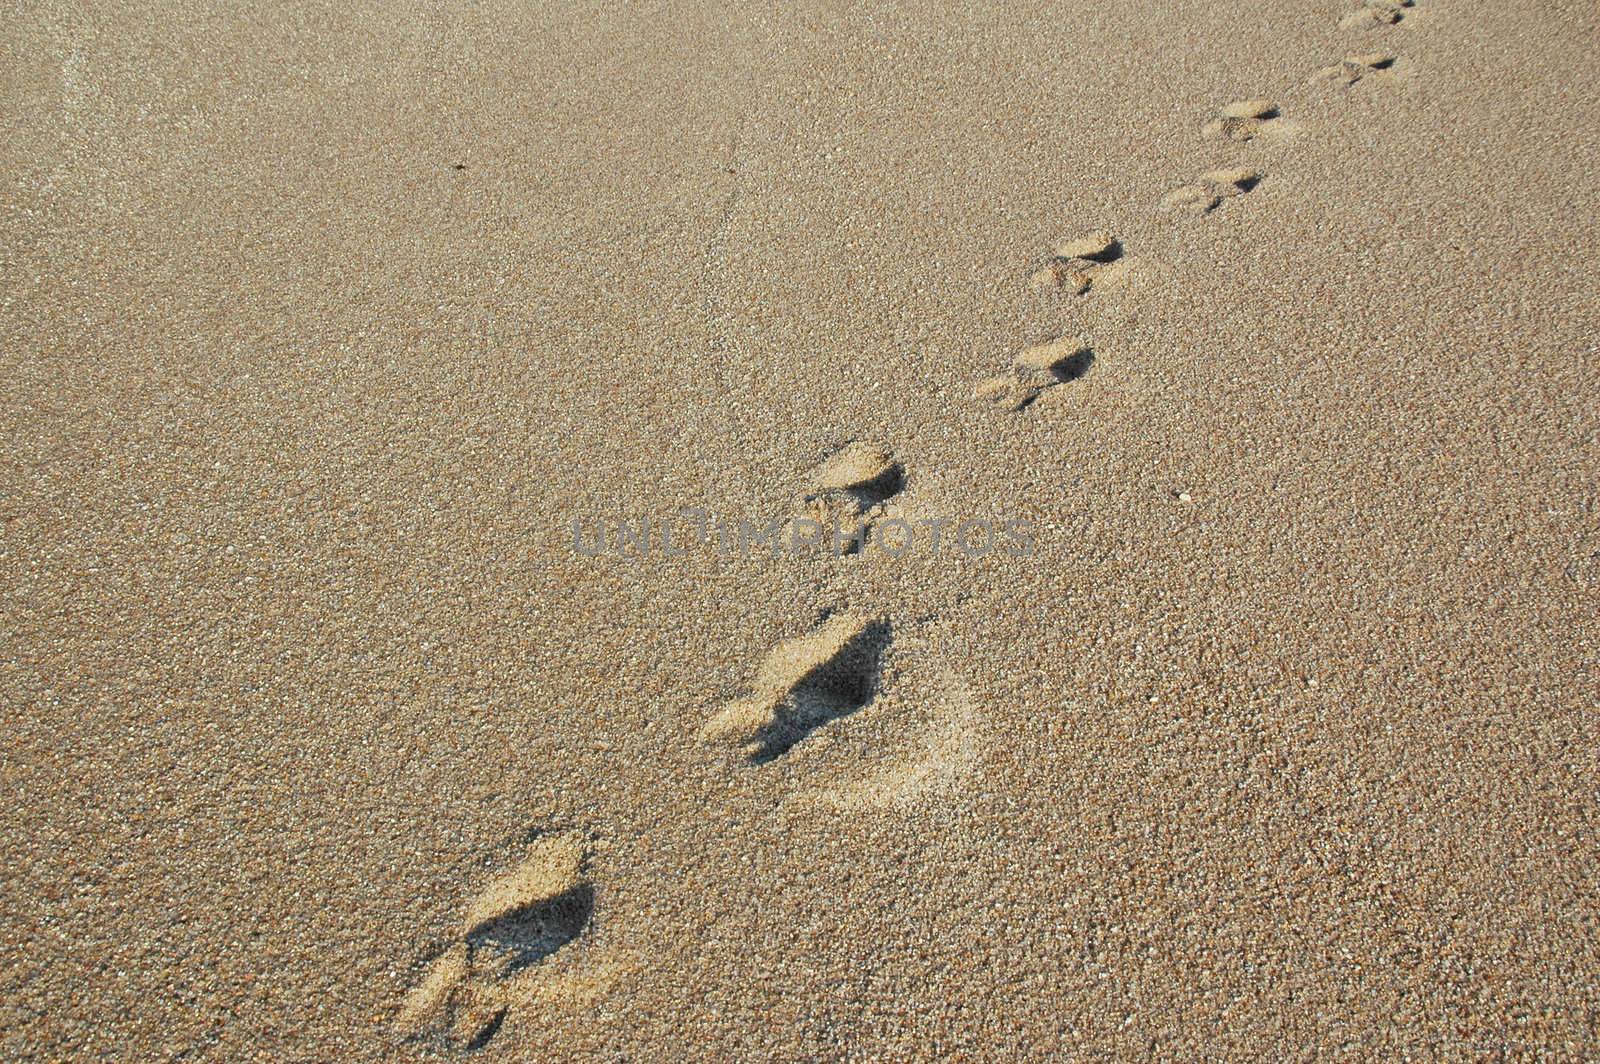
1248	708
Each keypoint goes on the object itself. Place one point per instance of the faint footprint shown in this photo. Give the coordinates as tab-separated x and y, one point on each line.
1241	120
1353	68
1035	369
950	748
518	921
803	684
1374	14
1075	263
1204	194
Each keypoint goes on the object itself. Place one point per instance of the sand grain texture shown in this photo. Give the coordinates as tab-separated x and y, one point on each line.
321	326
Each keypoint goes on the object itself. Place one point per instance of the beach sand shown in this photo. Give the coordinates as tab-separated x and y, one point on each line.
1264	727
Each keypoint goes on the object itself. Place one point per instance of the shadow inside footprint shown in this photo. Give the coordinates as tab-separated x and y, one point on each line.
490	1029
839	686
1242	120
881	488
1075	263
1068	369
528	935
851	488
1074	366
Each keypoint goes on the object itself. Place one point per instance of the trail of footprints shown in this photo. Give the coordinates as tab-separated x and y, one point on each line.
509	946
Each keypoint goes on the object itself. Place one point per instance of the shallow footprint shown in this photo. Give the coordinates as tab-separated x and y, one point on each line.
1375	14
1207	191
949	749
1073	266
803	684
517	921
1241	120
1353	68
1035	369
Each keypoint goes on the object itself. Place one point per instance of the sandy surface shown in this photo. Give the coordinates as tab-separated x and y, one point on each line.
321	324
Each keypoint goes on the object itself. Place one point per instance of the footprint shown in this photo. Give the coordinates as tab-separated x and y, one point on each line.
1204	194
1353	68
949	749
1374	14
519	920
1035	369
849	490
1075	263
1241	120
803	684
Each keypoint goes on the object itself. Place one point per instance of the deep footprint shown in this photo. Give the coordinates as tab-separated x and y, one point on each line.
1353	68
518	921
1204	194
1035	369
804	684
850	490
531	929
1242	120
1073	266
